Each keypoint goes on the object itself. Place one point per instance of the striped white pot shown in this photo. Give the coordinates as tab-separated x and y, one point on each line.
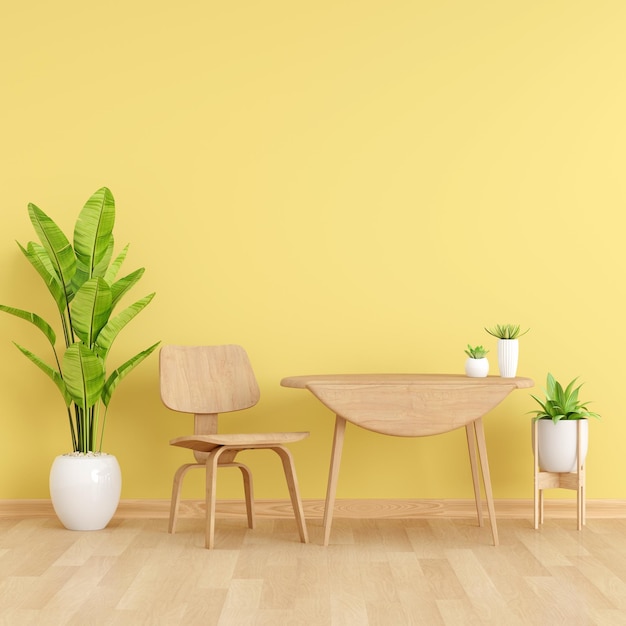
508	353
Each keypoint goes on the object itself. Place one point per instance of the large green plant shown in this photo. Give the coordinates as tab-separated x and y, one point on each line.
83	281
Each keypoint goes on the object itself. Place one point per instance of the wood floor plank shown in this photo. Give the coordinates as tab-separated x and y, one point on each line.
542	546
458	611
80	584
607	617
559	603
510	583
383	615
601	577
481	590
204	606
437	572
242	602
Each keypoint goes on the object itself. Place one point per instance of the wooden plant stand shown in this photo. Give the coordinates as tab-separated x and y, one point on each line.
554	480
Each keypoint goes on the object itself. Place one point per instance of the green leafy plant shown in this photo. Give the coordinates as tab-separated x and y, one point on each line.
506	331
83	281
476	353
561	404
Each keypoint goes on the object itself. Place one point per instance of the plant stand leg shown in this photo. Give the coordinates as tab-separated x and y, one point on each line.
580	472
538	494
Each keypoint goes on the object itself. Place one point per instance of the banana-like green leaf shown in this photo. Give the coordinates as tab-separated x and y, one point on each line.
49	371
123	285
114	268
91	309
103	267
33	318
83	372
39	259
92	233
122	371
56	244
113	327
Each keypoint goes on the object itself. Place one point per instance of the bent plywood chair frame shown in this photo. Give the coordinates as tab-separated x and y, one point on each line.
207	381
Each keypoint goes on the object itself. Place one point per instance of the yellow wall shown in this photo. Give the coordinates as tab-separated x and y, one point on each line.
340	186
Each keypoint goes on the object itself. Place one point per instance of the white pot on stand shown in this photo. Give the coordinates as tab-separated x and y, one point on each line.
557	444
508	354
85	489
476	368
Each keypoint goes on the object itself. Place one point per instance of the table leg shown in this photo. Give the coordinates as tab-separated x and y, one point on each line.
484	463
333	475
471	445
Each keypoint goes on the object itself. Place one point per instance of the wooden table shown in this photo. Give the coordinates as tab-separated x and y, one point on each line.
411	405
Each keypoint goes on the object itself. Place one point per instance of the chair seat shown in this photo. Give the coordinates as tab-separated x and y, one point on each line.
206	443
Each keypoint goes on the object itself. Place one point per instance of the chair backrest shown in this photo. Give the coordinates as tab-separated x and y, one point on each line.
207	379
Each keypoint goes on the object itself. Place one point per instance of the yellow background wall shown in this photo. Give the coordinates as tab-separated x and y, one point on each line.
340	186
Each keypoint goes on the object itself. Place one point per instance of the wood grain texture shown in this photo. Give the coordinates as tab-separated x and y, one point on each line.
411	405
433	571
408	405
344	508
186	372
210	381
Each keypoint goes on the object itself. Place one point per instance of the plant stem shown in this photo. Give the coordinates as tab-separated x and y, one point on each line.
72	430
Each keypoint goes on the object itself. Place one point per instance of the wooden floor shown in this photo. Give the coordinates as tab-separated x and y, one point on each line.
386	572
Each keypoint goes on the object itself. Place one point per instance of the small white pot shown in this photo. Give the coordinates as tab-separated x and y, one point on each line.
557	444
85	489
508	354
476	368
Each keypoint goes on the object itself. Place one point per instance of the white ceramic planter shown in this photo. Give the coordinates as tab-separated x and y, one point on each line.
85	489
508	354
476	368
557	444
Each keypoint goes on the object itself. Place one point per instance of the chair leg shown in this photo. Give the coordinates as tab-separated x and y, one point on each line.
211	483
176	489
294	492
248	490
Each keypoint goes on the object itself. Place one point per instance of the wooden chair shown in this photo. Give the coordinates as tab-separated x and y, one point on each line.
206	381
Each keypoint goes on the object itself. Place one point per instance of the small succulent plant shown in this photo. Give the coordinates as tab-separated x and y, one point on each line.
506	331
476	353
562	403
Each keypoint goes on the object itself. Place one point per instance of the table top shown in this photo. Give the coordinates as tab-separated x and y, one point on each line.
301	382
408	405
